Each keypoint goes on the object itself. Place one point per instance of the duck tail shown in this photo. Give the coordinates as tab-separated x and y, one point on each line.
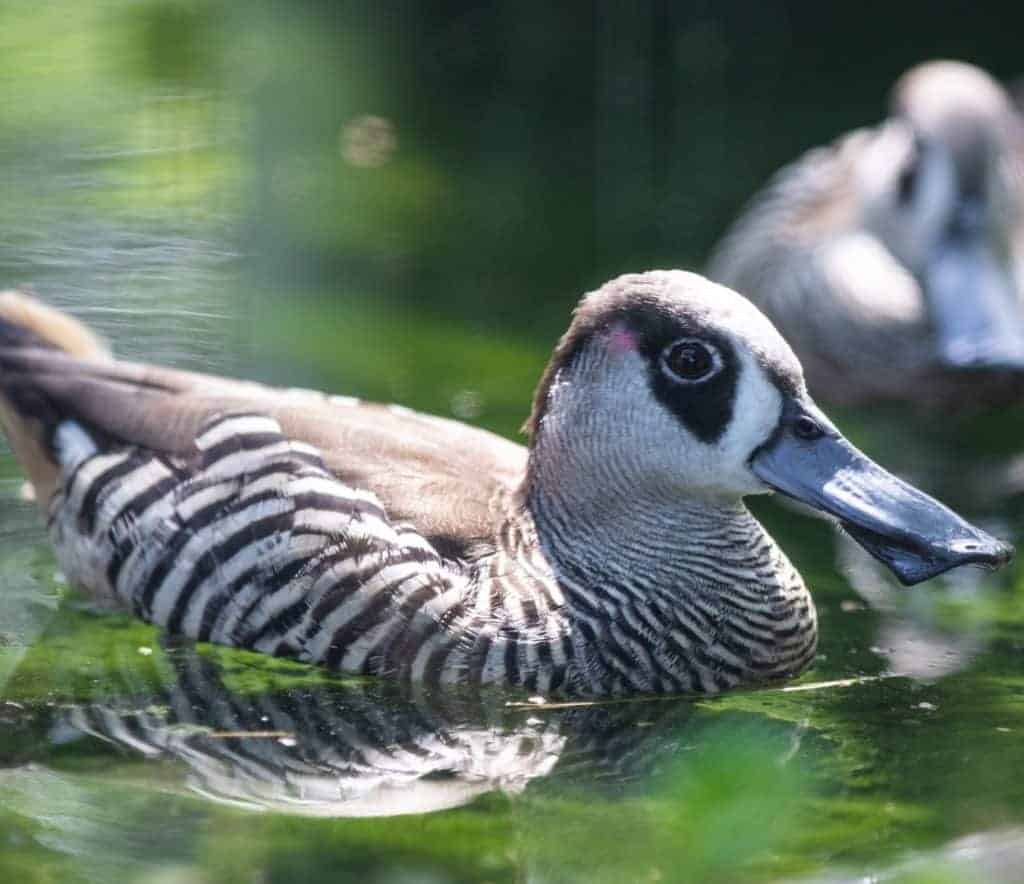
30	332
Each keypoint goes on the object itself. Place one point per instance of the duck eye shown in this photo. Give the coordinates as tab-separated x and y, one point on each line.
808	428
691	361
907	183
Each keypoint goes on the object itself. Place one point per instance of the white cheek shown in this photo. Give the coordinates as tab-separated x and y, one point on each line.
757	409
618	427
891	149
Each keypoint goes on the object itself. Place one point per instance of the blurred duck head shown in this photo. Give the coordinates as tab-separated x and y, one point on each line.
944	189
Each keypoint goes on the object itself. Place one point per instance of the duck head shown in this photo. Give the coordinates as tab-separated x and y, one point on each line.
943	182
668	387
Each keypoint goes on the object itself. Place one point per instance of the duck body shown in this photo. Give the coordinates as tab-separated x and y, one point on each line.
386	542
613	556
893	259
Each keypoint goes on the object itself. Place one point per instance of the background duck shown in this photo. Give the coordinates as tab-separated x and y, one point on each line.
893	260
613	556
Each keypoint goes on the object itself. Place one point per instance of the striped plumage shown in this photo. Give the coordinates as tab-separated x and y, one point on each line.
893	259
614	556
255	544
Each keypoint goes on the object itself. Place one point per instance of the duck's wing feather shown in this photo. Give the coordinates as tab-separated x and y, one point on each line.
283	521
438	474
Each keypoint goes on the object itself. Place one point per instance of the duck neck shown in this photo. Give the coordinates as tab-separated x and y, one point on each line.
667	592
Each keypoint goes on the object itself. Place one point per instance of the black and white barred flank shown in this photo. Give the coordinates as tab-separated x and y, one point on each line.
252	542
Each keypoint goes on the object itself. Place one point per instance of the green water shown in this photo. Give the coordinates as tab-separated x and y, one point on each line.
200	181
125	758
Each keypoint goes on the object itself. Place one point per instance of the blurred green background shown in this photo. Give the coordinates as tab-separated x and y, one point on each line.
298	169
403	201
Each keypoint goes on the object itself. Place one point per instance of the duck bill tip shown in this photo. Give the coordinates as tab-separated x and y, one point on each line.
915	563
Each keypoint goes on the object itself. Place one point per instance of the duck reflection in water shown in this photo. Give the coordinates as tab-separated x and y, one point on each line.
353	749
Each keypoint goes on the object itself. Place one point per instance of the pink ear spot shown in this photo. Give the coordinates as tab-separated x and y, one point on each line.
621	340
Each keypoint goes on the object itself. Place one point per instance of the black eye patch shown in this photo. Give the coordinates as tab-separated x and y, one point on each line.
704	407
906	184
907	181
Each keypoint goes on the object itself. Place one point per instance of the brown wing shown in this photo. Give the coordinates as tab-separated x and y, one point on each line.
440	475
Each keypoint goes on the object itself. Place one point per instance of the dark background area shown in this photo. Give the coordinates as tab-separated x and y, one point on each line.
404	200
569	142
535	149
